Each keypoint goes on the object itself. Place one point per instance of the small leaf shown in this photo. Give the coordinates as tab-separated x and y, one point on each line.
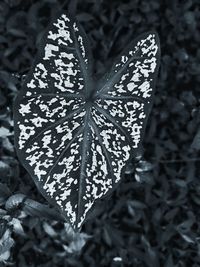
196	141
117	259
130	168
144	166
14	201
187	238
4	132
85	17
7	145
75	246
169	262
34	208
144	177
17	227
5	256
4	191
106	237
49	230
76	240
6	242
16	32
2	212
137	204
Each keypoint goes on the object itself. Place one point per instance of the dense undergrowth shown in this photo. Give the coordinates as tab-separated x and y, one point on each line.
153	218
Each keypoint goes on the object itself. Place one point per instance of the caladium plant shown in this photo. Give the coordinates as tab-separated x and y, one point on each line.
74	134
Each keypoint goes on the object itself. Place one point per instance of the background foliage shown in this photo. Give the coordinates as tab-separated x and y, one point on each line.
153	218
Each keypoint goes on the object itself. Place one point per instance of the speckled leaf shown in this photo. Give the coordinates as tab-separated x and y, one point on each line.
75	135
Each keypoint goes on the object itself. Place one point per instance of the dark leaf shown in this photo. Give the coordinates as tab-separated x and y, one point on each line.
49	230
14	201
137	204
17	227
196	141
85	17
6	242
144	166
169	262
34	208
4	193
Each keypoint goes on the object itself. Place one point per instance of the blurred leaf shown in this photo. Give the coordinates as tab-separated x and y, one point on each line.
14	201
187	238
6	242
144	166
8	146
169	262
49	230
5	132
84	17
137	204
34	208
130	168
76	245
17	227
196	141
4	193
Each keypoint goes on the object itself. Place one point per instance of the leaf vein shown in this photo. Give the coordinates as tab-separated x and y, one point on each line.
112	119
96	129
53	124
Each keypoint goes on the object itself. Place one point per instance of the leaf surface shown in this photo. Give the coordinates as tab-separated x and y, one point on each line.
75	135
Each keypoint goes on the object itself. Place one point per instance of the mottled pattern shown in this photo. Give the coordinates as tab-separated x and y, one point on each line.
61	66
42	111
62	182
75	148
128	92
137	68
129	114
144	47
135	79
97	176
114	142
43	152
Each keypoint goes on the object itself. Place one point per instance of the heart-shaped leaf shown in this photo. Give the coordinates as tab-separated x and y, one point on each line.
73	134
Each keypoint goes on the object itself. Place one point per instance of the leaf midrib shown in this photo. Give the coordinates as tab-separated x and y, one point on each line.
108	85
63	151
96	129
83	161
113	121
111	97
82	62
